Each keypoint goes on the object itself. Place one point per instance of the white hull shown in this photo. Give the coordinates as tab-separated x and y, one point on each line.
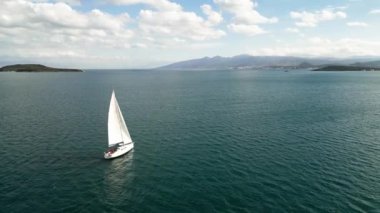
121	150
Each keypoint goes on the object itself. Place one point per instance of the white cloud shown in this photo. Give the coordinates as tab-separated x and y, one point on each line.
213	18
292	30
180	24
375	11
168	19
250	30
312	19
245	19
69	2
357	24
67	32
244	11
322	47
158	4
32	30
58	16
36	30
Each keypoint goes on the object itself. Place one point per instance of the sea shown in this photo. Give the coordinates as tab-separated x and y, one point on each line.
205	141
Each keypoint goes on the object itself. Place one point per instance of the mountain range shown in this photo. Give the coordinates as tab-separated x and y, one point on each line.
257	62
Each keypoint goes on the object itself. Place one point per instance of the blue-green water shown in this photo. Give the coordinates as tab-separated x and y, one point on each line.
224	141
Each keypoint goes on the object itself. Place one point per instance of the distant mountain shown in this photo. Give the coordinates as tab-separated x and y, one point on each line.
34	68
372	64
347	68
257	62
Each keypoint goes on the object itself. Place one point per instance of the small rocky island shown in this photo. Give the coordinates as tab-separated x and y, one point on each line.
35	68
347	68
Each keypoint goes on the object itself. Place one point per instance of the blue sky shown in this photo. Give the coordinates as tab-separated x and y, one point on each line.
150	33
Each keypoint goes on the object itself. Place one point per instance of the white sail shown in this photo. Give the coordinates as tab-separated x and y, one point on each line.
117	129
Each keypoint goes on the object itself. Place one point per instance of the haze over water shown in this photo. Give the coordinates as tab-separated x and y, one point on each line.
204	141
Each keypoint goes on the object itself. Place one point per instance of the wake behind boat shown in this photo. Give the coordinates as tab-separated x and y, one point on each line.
119	139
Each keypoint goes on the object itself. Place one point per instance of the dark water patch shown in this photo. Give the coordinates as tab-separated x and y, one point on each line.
205	142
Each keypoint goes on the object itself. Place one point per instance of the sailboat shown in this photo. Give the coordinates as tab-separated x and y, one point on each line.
119	139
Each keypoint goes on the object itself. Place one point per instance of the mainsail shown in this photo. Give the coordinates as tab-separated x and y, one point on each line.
117	129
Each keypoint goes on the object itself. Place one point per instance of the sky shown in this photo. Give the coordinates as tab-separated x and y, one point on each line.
150	33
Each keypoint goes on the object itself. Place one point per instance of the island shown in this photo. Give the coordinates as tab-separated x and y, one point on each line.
347	68
35	68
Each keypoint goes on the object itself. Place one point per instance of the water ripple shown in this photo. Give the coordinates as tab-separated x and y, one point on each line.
205	142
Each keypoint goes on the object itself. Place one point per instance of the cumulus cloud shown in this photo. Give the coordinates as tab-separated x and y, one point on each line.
374	12
246	19
59	17
312	19
292	30
357	24
213	18
322	47
34	30
158	4
250	30
69	2
180	24
169	19
30	29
